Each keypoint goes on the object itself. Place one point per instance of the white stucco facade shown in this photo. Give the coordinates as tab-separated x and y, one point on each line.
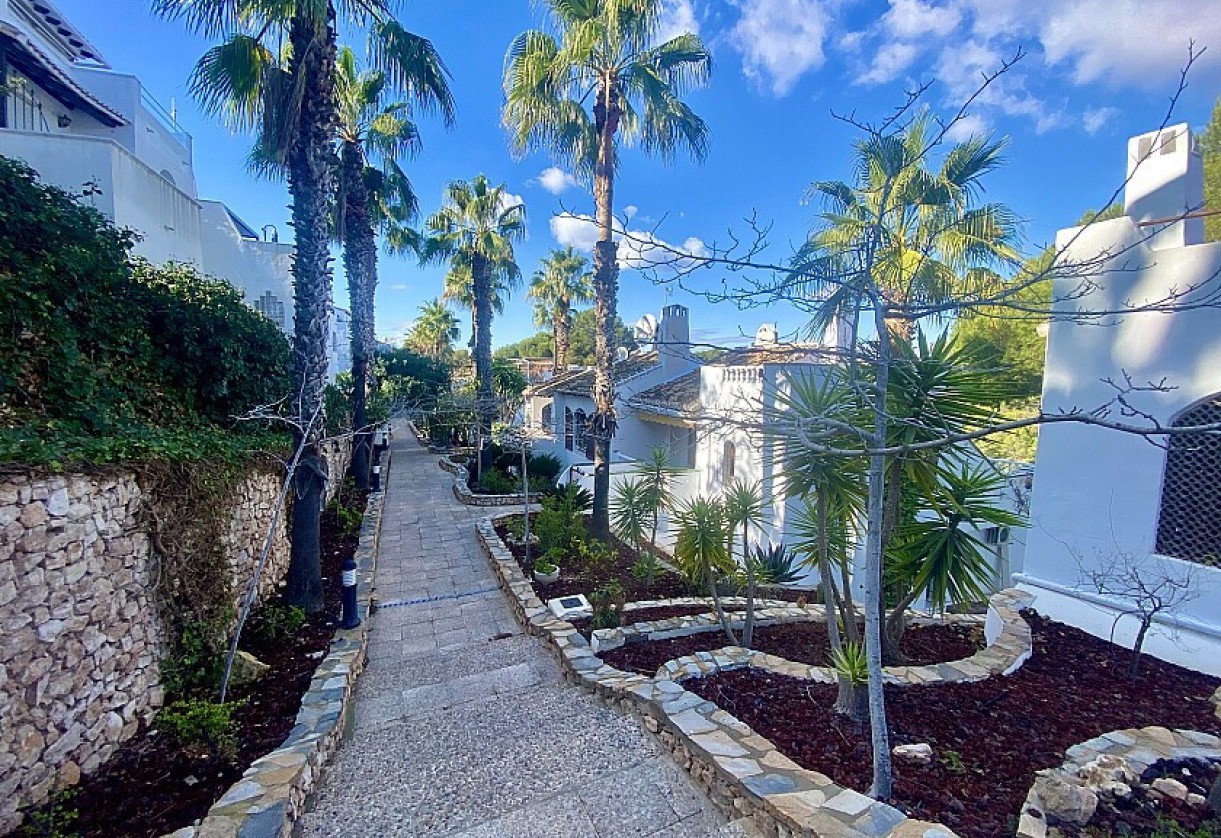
97	134
1099	494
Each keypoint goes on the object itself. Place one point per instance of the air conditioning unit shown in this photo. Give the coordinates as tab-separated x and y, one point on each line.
996	535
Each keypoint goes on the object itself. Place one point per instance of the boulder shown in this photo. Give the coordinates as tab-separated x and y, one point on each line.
1065	801
921	754
1106	773
1170	787
246	669
1215	700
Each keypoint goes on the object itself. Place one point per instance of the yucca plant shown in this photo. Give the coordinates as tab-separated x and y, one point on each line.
700	550
743	505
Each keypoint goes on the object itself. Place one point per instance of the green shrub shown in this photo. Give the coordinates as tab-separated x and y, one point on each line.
275	622
545	467
516	527
594	556
607	605
496	482
201	726
647	568
196	662
54	819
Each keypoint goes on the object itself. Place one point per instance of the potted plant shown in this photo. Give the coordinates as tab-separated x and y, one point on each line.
546	571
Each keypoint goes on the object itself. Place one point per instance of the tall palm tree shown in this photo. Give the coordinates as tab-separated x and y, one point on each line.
929	241
374	135
435	330
556	287
604	55
458	287
474	231
274	71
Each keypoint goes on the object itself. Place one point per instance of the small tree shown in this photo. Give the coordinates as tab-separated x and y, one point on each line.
744	508
1146	586
700	550
656	474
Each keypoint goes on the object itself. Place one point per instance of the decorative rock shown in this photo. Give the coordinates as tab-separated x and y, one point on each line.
1064	800
1197	801
1215	700
1170	787
1106	772
246	669
920	754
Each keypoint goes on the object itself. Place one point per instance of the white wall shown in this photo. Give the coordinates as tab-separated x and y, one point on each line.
1097	492
255	267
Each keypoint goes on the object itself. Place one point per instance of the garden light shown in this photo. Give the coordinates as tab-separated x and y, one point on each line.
377	478
350	617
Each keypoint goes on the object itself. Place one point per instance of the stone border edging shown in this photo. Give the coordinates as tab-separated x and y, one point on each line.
1004	654
269	797
463	492
743	773
768	613
1139	748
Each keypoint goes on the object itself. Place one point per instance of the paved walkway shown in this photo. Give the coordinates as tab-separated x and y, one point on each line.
464	726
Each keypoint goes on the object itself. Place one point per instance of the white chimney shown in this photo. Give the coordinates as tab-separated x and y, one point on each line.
674	340
1166	180
766	335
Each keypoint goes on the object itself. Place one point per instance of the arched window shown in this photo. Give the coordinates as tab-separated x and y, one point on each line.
546	418
578	434
1189	520
568	432
728	461
588	448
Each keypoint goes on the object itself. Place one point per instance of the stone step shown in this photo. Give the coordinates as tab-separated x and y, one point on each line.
741	828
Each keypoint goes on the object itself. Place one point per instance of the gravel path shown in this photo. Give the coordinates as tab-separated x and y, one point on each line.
463	725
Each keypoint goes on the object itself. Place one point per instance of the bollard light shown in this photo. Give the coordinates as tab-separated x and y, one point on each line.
377	478
350	618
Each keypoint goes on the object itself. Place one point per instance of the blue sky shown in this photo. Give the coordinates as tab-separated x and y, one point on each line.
1095	73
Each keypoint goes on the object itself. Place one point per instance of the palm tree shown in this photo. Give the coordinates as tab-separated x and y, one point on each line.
559	284
274	70
928	241
475	231
458	287
700	550
435	330
656	473
744	508
604	55
374	135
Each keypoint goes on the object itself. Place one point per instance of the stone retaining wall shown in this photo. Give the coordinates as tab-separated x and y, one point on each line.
462	490
79	663
742	772
1132	750
271	795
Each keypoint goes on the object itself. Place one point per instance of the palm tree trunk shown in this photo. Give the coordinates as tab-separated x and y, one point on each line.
710	579
360	265
561	331
606	289
485	402
309	182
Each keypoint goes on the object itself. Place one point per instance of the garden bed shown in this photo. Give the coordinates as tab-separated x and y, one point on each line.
151	786
988	737
798	642
642	615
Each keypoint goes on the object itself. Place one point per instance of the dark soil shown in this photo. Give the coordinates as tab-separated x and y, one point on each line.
1145	811
989	737
797	642
645	615
150	786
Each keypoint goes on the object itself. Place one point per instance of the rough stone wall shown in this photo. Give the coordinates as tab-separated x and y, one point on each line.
78	661
82	643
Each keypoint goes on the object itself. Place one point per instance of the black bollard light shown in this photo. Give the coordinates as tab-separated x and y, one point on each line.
350	618
377	478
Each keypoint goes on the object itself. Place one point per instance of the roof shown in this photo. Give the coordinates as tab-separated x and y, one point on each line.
678	395
778	353
581	382
29	58
44	13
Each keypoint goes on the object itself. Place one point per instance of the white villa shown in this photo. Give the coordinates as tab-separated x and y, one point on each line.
98	134
1104	497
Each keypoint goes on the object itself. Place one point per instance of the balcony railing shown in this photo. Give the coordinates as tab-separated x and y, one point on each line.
164	117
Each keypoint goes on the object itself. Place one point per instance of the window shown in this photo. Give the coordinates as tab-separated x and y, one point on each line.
271	307
1189	519
578	434
568	428
546	417
728	463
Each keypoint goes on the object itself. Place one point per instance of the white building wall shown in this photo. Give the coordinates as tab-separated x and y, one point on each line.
1097	492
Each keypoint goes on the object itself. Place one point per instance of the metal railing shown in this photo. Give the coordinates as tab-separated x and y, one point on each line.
167	120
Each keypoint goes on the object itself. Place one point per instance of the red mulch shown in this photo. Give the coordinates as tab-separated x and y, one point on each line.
645	615
143	791
989	737
797	642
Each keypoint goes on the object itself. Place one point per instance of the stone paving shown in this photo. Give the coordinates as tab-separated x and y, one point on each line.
463	726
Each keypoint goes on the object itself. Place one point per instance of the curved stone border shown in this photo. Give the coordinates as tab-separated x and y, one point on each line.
1137	747
1006	651
464	494
269	797
742	772
767	613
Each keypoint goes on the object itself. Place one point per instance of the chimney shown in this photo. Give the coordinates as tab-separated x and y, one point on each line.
674	340
1166	180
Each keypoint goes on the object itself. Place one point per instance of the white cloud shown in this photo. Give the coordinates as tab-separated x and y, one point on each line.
911	19
780	40
555	180
889	62
629	212
399	286
508	200
971	125
637	248
677	18
1095	119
